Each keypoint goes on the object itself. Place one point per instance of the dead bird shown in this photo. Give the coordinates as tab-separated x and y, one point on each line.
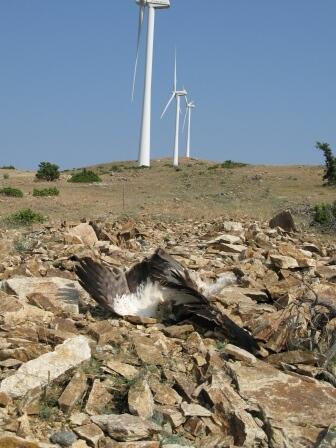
159	286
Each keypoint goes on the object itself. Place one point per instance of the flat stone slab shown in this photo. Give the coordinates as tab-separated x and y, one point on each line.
40	371
297	409
63	292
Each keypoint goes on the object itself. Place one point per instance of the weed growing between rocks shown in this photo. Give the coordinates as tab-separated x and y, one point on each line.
11	192
24	217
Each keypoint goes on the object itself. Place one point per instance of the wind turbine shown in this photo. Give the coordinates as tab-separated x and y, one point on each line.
176	94
145	132
189	107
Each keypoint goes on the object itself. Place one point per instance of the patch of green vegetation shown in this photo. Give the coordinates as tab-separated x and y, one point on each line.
49	405
22	246
220	345
174	439
92	367
325	215
117	168
46	192
329	176
48	171
7	167
12	192
24	217
6	176
85	176
227	164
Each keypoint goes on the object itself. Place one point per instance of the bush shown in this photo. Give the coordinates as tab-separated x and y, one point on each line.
46	192
7	167
6	176
24	217
330	163
325	215
227	164
85	176
13	192
48	171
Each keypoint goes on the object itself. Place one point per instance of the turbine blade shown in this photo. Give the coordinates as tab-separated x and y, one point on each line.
168	104
185	118
141	19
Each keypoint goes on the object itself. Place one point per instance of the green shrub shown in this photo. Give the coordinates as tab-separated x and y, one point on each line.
24	217
6	176
48	171
330	163
13	192
46	192
325	215
7	167
85	176
227	164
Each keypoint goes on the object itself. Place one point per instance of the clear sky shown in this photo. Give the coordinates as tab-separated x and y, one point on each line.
262	74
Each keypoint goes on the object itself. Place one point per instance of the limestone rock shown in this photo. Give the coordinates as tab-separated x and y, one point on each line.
126	427
239	354
296	409
84	234
40	371
284	262
140	399
195	410
98	399
73	392
91	433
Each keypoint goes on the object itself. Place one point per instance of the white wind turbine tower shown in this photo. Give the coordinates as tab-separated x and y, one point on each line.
189	107
145	132
176	94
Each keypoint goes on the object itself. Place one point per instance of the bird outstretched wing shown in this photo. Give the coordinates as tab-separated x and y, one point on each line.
103	284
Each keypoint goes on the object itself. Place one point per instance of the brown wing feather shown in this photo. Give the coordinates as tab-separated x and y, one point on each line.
101	283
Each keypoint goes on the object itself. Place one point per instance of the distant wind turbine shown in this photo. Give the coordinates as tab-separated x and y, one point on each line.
189	107
145	132
176	94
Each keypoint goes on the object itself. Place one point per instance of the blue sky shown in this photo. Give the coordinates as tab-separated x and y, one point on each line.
262	73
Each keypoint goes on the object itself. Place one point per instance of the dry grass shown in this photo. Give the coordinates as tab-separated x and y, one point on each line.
192	191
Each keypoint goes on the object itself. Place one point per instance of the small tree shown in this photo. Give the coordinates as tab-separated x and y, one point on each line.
330	163
48	171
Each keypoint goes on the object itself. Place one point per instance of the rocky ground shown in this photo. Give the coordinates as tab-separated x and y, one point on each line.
73	376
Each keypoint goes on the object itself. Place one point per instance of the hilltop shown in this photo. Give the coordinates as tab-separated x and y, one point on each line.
197	189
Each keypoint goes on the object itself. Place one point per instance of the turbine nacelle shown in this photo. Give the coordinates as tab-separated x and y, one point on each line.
159	4
181	92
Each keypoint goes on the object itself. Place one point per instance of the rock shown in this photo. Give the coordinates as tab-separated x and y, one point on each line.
147	351
239	354
91	433
9	441
40	371
233	248
126	427
79	419
84	233
295	409
125	370
98	399
296	357
63	293
140	399
326	272
195	410
241	425
283	262
73	392
235	228
165	394
178	331
284	220
329	438
225	238
113	444
104	332
63	438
